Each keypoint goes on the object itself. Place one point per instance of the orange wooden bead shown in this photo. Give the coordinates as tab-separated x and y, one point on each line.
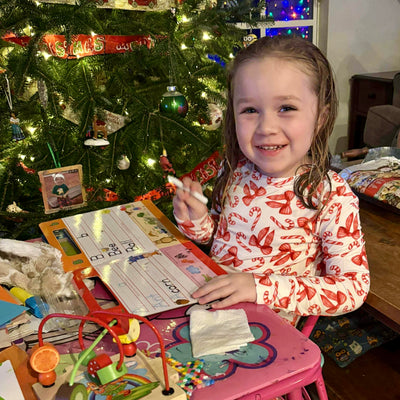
129	349
44	359
47	378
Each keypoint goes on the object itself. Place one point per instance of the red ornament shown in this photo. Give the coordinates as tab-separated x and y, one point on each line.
166	165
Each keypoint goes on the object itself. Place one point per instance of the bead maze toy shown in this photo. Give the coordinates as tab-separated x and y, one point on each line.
104	373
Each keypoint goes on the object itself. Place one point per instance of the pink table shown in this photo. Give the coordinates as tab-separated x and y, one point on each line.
279	354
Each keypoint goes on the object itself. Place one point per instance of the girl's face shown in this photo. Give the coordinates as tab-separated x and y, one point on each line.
275	114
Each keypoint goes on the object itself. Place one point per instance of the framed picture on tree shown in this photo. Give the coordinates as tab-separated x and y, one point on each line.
62	188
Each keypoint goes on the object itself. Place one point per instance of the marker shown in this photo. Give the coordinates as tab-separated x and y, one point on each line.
178	183
29	300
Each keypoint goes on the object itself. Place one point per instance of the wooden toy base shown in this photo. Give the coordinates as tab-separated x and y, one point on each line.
152	368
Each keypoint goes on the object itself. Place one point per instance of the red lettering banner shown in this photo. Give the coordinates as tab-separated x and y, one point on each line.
85	45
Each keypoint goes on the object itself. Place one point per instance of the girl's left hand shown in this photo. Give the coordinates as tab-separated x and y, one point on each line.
227	290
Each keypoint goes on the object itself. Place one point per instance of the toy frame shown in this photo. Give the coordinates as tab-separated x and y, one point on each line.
72	177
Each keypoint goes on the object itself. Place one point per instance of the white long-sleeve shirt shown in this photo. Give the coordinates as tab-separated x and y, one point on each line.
302	265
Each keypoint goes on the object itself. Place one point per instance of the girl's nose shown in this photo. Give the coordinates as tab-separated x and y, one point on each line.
267	123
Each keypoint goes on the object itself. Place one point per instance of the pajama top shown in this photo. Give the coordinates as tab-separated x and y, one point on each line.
303	264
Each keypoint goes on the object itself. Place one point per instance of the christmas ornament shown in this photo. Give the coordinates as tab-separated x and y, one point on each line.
165	164
16	130
42	89
249	39
215	118
123	162
173	102
98	126
13	208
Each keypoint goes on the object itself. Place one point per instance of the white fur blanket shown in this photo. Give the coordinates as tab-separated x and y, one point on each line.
35	267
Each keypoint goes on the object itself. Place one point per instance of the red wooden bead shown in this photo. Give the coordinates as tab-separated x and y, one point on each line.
99	362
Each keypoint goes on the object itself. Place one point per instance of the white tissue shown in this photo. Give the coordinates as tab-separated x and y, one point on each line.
216	332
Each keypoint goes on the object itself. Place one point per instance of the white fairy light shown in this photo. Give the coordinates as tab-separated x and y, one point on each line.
150	162
46	55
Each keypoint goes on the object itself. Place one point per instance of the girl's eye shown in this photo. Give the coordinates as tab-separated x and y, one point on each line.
285	108
248	110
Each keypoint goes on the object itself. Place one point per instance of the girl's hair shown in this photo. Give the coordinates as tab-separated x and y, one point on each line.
313	63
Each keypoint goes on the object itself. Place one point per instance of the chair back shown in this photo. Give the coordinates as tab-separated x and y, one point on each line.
309	325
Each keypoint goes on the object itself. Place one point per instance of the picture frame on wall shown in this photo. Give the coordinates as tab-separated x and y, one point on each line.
62	188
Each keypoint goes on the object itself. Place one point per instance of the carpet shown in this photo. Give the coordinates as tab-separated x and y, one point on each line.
346	337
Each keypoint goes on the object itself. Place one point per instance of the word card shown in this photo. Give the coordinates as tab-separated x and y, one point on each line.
137	252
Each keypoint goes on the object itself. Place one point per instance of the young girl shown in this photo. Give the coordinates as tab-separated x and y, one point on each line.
284	226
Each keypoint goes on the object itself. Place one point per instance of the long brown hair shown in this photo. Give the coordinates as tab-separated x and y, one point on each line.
312	62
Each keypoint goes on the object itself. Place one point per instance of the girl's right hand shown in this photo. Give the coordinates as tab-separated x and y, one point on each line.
186	207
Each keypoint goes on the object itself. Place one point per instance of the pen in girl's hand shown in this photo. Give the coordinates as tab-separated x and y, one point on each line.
178	183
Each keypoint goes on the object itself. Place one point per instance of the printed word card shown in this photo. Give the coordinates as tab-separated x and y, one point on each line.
137	252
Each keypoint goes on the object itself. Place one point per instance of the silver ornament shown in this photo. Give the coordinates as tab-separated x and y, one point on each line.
123	162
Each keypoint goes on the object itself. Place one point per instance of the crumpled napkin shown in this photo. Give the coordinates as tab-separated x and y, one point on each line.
215	332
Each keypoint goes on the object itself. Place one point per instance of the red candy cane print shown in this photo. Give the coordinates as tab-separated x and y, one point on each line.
256	175
300	237
300	205
288	221
216	252
332	209
315	309
266	299
279	184
258	216
237	176
236	215
335	268
261	262
353	303
235	202
239	237
285	301
327	235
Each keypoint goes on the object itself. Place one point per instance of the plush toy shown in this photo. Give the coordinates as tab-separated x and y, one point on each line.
35	267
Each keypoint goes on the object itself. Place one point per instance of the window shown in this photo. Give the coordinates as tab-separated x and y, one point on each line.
291	17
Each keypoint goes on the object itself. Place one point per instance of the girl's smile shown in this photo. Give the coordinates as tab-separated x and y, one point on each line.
275	114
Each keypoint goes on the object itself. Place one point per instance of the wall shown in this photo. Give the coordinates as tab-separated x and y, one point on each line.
359	36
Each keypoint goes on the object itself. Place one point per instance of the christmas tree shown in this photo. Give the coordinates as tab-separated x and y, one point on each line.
61	68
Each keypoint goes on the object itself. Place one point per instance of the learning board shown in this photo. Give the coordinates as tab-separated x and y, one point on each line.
136	251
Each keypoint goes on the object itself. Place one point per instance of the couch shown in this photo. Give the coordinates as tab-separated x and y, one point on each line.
382	126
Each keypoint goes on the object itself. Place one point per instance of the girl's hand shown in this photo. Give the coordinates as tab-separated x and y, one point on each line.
186	207
227	290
